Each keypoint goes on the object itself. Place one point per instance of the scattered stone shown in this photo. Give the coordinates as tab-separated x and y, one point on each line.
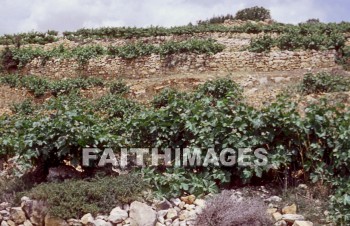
54	221
27	223
117	215
188	199
274	199
281	223
172	214
87	218
271	210
303	186
200	202
74	222
277	216
142	214
292	209
17	215
100	222
303	223
176	201
163	205
4	223
11	223
4	205
291	218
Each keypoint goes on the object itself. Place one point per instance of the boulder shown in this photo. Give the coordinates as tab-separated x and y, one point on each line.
17	215
292	209
142	214
117	215
55	221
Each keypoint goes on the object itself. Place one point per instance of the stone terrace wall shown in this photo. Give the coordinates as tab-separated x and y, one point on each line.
184	63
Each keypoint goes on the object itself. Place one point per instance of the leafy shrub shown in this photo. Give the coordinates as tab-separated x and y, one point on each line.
220	89
26	107
260	45
226	210
8	62
324	82
37	85
176	182
254	13
166	97
116	106
216	19
71	84
74	198
29	38
118	87
313	21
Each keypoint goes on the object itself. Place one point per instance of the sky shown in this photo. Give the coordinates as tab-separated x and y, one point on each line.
69	15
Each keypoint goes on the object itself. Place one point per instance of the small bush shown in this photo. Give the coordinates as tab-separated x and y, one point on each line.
260	45
216	20
118	87
74	198
254	13
221	88
225	210
324	82
26	107
165	97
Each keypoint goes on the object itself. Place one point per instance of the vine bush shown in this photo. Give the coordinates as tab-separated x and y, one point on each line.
214	116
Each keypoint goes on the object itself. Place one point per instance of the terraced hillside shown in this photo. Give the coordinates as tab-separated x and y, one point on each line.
283	88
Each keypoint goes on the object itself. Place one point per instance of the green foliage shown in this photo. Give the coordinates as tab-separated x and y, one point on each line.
324	82
26	107
304	36
260	45
167	96
117	107
179	181
19	57
220	89
39	85
96	196
216	20
118	87
254	13
29	38
214	116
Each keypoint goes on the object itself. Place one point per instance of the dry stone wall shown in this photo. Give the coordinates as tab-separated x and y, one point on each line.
184	63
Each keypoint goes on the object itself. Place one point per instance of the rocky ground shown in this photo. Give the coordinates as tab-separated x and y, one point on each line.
181	211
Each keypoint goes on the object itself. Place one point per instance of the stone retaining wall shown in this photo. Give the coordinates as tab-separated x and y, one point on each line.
183	63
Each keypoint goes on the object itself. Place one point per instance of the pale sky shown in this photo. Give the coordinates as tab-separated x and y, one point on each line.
69	15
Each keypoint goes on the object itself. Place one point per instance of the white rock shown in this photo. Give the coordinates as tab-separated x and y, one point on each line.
117	215
142	214
87	218
100	222
172	214
292	217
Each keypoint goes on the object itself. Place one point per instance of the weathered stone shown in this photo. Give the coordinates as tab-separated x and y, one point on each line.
188	199
172	214
54	221
117	215
17	215
100	222
163	205
303	223
292	217
200	202
292	209
277	216
142	214
27	223
74	222
87	218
